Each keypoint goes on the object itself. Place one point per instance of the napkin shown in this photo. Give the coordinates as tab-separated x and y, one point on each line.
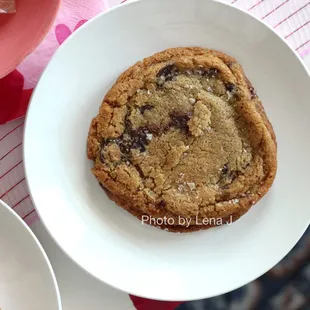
16	88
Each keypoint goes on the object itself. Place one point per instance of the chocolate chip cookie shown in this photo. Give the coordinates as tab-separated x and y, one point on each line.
182	141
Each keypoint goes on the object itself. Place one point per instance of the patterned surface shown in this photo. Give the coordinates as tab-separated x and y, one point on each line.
13	188
286	286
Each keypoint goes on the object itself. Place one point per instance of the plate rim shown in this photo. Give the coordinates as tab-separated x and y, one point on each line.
5	206
116	7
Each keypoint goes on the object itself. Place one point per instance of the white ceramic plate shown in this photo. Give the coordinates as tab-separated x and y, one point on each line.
105	240
27	281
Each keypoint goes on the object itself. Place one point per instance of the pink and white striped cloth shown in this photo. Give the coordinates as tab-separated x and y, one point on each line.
290	18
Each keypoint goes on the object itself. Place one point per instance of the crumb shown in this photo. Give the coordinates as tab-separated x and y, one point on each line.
191	186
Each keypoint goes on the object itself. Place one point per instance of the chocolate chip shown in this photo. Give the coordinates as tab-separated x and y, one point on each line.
162	204
230	87
124	145
227	177
225	169
167	71
200	71
130	139
139	139
105	142
180	120
146	108
213	72
253	92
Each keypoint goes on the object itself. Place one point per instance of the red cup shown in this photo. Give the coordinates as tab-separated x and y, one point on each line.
23	31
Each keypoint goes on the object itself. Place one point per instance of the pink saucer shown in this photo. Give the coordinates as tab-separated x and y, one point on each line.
22	32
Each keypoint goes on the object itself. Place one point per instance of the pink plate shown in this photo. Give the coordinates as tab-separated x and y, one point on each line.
22	32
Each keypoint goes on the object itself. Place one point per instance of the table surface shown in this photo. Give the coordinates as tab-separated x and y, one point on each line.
79	290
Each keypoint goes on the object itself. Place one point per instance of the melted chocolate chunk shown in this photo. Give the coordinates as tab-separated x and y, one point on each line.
180	121
139	139
206	72
124	145
213	72
131	139
167	71
162	204
146	107
166	74
227	176
230	87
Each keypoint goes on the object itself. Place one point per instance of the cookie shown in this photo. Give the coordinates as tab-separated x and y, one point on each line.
182	141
